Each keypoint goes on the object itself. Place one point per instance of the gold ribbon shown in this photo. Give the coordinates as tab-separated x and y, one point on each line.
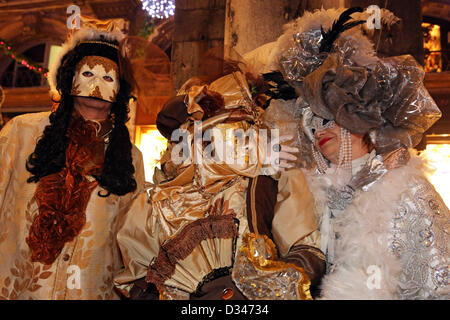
264	257
100	25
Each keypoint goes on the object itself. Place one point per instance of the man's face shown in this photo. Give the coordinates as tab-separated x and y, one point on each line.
96	77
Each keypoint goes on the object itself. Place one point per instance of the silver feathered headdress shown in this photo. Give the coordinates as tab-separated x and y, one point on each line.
328	57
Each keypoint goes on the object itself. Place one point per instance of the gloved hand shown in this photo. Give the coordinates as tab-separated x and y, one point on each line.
280	156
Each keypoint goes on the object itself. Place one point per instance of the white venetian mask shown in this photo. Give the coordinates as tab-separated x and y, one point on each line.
312	123
96	77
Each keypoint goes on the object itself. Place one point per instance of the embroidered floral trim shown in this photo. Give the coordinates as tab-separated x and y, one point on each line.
92	61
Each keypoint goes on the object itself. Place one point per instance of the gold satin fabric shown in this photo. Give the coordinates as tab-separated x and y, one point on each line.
295	215
183	200
233	88
92	257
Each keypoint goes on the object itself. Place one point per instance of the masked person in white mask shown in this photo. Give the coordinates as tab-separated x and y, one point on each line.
68	176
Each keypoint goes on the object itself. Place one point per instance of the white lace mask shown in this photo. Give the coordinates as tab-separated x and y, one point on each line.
312	123
96	77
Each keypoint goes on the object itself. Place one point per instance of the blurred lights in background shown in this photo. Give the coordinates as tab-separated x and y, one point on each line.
438	157
152	144
159	8
432	46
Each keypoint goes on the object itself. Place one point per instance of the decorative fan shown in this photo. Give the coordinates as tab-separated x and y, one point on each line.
201	250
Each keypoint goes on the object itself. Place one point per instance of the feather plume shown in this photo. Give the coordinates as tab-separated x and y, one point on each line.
278	87
338	27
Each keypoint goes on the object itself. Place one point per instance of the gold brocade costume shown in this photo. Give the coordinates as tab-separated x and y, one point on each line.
196	193
86	265
196	219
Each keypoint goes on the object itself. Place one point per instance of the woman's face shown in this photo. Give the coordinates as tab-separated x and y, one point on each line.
328	142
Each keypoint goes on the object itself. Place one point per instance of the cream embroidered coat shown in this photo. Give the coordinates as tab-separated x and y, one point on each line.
85	267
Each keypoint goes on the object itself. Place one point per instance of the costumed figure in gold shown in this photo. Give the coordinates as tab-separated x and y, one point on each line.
69	176
207	230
